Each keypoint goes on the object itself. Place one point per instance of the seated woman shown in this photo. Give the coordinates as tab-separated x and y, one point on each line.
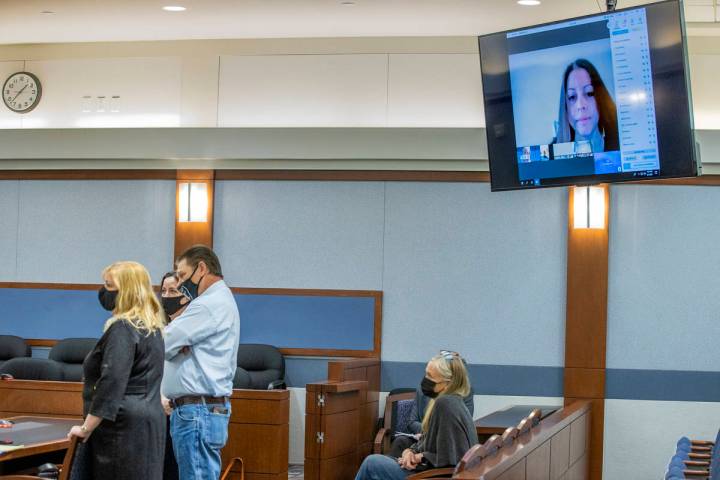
448	430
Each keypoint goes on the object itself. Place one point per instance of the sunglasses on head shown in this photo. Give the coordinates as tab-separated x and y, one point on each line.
449	355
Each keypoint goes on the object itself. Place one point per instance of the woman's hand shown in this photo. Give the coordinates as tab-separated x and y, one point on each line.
407	461
78	431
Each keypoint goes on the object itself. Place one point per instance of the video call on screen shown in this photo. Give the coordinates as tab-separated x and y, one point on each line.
582	98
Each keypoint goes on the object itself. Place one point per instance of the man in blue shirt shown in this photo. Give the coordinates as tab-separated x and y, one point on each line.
200	360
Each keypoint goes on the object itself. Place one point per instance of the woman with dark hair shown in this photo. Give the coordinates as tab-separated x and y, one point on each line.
173	303
587	111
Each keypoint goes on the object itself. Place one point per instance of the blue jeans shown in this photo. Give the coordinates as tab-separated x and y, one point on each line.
381	467
199	432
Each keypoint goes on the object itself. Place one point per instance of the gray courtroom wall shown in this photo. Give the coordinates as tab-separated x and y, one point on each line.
68	231
663	329
460	268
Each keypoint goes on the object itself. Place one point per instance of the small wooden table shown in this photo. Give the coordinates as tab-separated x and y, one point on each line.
497	422
37	435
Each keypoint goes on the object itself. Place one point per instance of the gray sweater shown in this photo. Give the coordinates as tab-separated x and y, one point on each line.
451	432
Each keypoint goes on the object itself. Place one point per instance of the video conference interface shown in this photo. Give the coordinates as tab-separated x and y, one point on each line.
583	99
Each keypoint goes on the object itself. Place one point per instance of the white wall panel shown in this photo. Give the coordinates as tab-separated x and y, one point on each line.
431	90
640	436
706	101
8	118
9	197
149	91
70	230
303	90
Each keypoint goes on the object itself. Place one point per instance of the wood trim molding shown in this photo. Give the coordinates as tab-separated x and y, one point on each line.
51	286
188	234
355	175
586	323
87	174
702	180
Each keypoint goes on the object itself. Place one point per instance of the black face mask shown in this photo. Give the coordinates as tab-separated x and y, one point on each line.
172	304
190	288
428	388
107	298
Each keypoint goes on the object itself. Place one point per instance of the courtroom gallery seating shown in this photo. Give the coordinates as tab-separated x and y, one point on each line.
64	362
12	347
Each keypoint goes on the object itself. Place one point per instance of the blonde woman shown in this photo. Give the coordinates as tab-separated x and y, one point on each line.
447	428
124	423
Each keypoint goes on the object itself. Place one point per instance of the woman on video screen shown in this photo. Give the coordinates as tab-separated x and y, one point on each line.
587	111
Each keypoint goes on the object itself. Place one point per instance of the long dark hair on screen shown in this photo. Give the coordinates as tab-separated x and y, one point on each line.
607	112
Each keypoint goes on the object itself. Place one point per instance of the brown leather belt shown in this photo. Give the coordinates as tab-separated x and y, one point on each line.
199	399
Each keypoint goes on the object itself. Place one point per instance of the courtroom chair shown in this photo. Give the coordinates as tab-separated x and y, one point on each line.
259	367
509	436
231	466
12	347
471	458
24	368
71	353
399	406
64	470
524	426
535	417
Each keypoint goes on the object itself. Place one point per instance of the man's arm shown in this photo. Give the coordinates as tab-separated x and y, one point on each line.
190	328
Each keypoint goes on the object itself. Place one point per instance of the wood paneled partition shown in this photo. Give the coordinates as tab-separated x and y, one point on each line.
188	234
586	323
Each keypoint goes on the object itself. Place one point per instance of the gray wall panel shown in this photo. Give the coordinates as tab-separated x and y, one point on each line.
663	285
8	229
70	230
300	234
475	271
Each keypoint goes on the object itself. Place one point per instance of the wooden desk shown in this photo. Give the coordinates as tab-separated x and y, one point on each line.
40	436
497	422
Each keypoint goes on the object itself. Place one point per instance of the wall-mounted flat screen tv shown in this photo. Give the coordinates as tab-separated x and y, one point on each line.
602	98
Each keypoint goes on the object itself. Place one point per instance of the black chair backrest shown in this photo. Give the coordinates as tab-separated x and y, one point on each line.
258	366
25	368
72	350
71	353
13	347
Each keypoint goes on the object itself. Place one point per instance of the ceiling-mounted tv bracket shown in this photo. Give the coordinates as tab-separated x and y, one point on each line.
610	4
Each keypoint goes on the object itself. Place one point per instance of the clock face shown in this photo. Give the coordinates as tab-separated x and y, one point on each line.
21	92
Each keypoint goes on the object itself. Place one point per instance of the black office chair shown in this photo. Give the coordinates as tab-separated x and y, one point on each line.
12	347
24	368
259	367
70	353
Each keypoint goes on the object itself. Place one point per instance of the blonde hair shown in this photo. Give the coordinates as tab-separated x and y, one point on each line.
136	302
452	369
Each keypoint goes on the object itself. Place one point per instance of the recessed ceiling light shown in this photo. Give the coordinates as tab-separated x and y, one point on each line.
174	8
347	3
529	3
47	12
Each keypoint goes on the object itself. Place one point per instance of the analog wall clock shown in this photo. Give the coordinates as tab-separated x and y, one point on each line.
21	92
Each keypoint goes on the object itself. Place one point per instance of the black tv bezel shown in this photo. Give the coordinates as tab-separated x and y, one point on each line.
692	166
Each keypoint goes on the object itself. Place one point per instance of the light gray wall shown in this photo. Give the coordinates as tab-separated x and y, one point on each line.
663	284
460	268
68	231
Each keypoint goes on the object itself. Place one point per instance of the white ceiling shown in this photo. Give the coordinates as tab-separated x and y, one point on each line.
21	21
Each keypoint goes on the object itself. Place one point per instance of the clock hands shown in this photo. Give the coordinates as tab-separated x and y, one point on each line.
18	94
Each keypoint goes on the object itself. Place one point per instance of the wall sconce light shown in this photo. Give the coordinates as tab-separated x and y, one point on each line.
589	207
193	202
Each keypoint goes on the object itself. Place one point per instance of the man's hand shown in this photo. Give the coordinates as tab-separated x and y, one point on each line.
166	405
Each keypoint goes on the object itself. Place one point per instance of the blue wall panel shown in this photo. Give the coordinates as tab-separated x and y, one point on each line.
285	321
